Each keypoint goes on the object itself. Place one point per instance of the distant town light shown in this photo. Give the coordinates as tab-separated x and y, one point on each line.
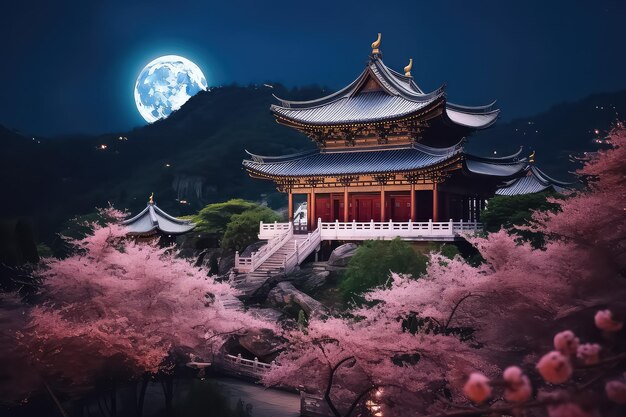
183	201
122	138
103	146
168	165
596	131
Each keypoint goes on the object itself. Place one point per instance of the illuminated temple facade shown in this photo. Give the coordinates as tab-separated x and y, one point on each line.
389	152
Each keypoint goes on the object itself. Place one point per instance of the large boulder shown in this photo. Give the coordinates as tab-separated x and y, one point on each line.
262	343
342	254
285	294
310	277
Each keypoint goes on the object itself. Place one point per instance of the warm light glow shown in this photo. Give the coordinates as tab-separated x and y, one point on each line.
103	146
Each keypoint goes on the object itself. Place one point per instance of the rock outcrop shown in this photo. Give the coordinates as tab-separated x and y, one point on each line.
342	254
285	294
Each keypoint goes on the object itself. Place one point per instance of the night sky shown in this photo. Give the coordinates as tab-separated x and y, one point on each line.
70	67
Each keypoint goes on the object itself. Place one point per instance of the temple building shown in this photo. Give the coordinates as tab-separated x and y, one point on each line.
154	223
388	151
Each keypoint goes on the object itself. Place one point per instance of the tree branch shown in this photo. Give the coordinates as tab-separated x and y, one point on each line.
456	306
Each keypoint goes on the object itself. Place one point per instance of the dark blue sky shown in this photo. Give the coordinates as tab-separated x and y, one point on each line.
70	67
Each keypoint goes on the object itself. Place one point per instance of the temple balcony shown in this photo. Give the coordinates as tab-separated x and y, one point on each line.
389	230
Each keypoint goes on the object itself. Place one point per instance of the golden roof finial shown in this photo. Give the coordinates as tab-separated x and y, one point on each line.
407	69
531	158
376	45
151	201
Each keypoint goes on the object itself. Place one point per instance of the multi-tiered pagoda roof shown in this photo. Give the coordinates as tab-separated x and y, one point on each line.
384	103
388	150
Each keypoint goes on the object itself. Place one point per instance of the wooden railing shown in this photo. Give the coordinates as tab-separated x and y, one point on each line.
302	249
252	262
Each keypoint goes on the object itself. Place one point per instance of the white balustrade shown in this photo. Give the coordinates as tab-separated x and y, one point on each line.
248	264
390	230
248	366
303	249
270	230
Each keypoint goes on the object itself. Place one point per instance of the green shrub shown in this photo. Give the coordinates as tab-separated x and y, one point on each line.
243	229
371	265
511	211
214	218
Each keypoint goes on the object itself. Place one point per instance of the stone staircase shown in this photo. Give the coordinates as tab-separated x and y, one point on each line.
249	283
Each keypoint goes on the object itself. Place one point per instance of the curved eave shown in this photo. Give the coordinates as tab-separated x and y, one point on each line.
472	120
278	177
278	158
496	168
322	100
278	112
338	163
473	109
137	217
542	176
166	231
512	158
527	185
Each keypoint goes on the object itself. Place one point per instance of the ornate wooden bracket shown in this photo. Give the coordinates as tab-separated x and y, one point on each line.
319	136
382	133
286	184
383	179
413	177
349	136
314	181
346	180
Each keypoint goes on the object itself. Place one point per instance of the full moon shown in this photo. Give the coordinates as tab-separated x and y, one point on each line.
165	84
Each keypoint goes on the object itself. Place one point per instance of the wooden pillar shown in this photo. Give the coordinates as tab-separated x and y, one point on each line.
345	205
313	217
413	204
435	202
289	206
382	203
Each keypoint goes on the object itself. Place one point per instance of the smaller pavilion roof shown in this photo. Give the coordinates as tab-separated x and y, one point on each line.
534	181
152	219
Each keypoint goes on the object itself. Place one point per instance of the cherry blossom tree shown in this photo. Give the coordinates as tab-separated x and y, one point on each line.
118	308
416	335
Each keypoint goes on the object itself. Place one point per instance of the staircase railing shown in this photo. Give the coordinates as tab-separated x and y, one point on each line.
302	249
252	262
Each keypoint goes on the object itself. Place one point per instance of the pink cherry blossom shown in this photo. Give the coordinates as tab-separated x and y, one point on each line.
605	321
554	367
616	391
518	387
117	304
566	342
589	353
567	410
477	388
